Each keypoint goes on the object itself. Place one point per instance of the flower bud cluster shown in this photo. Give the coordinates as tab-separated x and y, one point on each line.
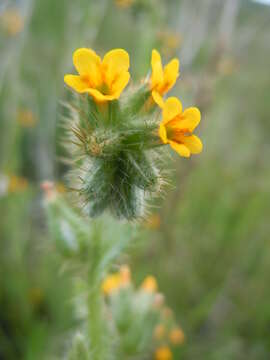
144	326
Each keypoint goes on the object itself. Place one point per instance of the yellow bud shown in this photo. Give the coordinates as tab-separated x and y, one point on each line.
12	21
17	184
163	353
124	3
125	275
149	284
177	336
159	332
111	284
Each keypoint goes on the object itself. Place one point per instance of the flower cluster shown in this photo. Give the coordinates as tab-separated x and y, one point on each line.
116	137
140	318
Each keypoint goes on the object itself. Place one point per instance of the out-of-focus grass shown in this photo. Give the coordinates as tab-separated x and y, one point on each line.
213	243
211	252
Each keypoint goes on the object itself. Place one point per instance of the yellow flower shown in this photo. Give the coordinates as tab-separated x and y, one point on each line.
17	184
103	79
124	3
12	21
125	275
162	80
111	284
26	118
149	284
116	281
177	336
177	127
159	332
163	353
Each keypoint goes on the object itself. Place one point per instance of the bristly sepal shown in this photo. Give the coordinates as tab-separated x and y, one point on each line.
113	150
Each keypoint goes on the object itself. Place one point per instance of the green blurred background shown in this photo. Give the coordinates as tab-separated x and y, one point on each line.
207	240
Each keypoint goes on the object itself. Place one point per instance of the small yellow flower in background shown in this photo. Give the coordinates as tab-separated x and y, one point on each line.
17	184
159	332
150	284
111	284
125	275
12	21
124	3
173	40
114	282
170	41
103	79
177	336
177	127
26	118
162	79
163	353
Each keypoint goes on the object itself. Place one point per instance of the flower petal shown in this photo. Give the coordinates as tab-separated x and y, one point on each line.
75	82
158	99
114	63
171	73
193	143
180	149
163	133
191	118
157	71
99	97
171	109
87	63
120	83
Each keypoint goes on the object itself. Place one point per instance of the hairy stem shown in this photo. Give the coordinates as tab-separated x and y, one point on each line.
96	324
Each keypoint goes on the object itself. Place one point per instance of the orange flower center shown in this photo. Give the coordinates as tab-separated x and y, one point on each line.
164	87
87	80
176	134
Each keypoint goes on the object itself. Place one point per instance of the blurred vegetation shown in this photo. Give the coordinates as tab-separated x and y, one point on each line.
207	240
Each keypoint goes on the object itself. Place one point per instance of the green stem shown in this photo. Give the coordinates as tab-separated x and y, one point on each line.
96	323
